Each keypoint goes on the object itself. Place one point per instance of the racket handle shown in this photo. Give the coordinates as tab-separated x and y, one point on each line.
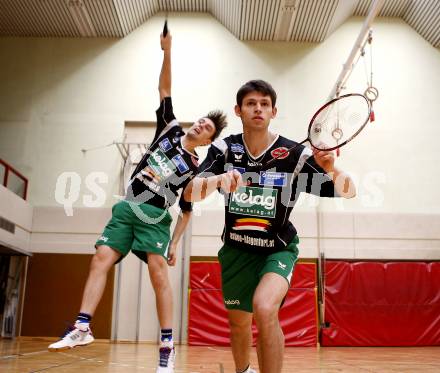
165	29
372	116
338	152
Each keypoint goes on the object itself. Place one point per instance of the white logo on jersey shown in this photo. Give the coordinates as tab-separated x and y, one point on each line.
238	157
254	164
103	238
159	245
247	197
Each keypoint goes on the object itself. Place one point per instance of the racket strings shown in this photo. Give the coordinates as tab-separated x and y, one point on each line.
339	121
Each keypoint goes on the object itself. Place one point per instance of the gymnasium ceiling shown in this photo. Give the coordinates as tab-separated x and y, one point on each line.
277	20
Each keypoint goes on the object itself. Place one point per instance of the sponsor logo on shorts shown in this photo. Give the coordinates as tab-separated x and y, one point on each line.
159	245
231	302
237	148
180	163
273	178
251	224
103	238
165	145
254	201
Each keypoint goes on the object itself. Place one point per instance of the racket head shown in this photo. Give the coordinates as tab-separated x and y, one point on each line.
339	121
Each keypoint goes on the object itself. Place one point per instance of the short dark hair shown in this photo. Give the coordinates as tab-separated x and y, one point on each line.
219	120
259	86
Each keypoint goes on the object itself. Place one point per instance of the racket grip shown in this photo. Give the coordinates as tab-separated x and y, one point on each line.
165	29
338	152
372	116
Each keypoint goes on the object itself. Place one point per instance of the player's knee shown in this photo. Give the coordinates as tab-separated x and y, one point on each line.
158	270
237	324
264	311
103	260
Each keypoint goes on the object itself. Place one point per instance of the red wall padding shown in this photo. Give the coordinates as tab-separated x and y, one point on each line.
382	304
208	324
205	275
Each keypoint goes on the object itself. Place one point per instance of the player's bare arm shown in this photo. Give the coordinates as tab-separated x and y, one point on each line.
165	73
181	224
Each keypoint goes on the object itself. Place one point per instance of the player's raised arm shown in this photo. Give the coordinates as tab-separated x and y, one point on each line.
165	73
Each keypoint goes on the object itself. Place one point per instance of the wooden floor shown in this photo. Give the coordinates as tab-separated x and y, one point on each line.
32	356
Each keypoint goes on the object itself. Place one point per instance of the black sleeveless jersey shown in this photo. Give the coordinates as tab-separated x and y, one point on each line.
257	215
166	167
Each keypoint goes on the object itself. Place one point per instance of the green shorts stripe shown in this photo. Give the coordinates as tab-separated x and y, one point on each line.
141	228
243	270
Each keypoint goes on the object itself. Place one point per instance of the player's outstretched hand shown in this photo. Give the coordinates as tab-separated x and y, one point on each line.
325	159
165	41
230	181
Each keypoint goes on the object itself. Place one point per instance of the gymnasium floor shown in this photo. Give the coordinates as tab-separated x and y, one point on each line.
32	356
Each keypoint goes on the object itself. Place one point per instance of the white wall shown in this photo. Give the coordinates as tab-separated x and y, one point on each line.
61	95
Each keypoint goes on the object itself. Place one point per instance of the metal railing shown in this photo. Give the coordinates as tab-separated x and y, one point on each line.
13	180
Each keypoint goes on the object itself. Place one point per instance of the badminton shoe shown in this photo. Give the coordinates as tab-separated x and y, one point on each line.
167	355
74	336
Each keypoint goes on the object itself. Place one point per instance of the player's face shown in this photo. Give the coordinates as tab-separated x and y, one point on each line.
202	131
256	111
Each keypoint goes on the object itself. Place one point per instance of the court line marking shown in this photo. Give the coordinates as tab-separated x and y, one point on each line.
4	357
78	359
216	349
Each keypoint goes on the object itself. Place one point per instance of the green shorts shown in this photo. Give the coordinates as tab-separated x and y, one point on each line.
141	228
243	270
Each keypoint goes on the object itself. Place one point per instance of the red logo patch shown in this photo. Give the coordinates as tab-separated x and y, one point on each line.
280	153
